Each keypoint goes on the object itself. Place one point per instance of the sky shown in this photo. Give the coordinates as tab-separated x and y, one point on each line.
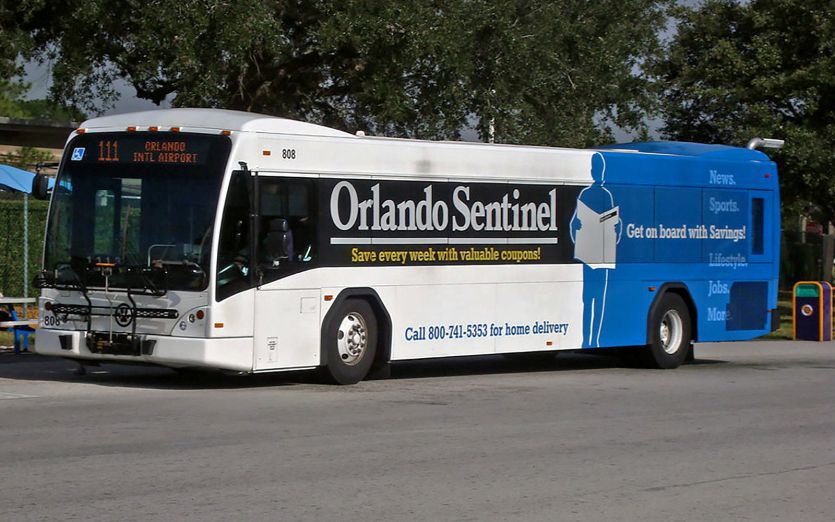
38	76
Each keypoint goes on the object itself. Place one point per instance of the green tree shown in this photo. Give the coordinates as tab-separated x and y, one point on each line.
10	93
26	158
20	23
546	72
560	72
15	37
736	70
12	105
16	46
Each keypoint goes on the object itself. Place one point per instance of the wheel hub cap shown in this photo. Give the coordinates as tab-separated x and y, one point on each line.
352	338
670	331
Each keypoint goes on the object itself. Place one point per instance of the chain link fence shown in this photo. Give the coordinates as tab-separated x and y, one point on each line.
11	245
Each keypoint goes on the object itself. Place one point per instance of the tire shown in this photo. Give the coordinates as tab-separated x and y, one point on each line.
670	333
351	342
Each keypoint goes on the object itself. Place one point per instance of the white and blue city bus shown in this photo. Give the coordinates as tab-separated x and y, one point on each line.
209	238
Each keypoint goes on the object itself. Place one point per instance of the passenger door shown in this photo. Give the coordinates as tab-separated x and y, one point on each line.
286	328
286	307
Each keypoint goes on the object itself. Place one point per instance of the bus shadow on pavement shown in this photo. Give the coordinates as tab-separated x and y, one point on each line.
569	361
32	367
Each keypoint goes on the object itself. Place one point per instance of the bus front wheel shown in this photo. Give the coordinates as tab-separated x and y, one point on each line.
352	342
670	333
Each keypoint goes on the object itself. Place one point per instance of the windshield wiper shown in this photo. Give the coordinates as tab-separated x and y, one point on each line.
147	286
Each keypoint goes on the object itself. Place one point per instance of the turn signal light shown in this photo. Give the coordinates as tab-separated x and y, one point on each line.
47	306
200	314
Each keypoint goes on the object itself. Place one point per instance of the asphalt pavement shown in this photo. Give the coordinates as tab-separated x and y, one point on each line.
747	432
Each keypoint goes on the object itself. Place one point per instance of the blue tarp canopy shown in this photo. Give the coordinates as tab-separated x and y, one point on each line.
13	178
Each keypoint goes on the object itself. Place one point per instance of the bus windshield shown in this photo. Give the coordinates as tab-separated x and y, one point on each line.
136	202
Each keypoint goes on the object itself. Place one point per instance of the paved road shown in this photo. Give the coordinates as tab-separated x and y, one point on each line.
746	433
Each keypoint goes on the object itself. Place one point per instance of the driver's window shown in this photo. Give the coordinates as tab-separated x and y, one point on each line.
104	225
233	245
286	240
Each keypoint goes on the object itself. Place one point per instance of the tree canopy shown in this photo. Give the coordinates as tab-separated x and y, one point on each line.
558	72
736	70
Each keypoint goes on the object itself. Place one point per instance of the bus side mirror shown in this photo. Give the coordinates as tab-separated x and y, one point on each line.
40	187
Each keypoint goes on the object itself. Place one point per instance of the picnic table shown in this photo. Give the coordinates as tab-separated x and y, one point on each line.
22	327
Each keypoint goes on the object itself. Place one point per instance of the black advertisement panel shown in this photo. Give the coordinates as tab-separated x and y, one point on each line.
409	223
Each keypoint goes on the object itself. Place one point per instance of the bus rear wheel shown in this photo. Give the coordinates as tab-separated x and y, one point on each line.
670	333
351	342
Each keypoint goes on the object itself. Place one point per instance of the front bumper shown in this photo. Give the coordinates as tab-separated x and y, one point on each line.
233	353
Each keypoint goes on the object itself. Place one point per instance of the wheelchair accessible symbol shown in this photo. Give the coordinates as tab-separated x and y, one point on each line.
78	153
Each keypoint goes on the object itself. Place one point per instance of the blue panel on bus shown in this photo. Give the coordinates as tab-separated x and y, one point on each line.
747	309
726	221
678	219
683	148
636	244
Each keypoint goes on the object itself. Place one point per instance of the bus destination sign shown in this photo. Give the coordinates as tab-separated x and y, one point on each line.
165	150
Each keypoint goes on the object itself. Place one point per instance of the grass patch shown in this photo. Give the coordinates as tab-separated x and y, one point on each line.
7	338
784	304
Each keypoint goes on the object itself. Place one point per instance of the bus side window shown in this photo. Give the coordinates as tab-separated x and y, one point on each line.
302	210
757	218
287	211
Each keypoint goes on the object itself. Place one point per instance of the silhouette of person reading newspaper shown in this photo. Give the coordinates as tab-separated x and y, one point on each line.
595	230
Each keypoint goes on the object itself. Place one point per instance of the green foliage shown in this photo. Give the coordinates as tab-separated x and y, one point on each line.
10	93
49	110
15	37
548	72
26	158
12	105
736	70
20	23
